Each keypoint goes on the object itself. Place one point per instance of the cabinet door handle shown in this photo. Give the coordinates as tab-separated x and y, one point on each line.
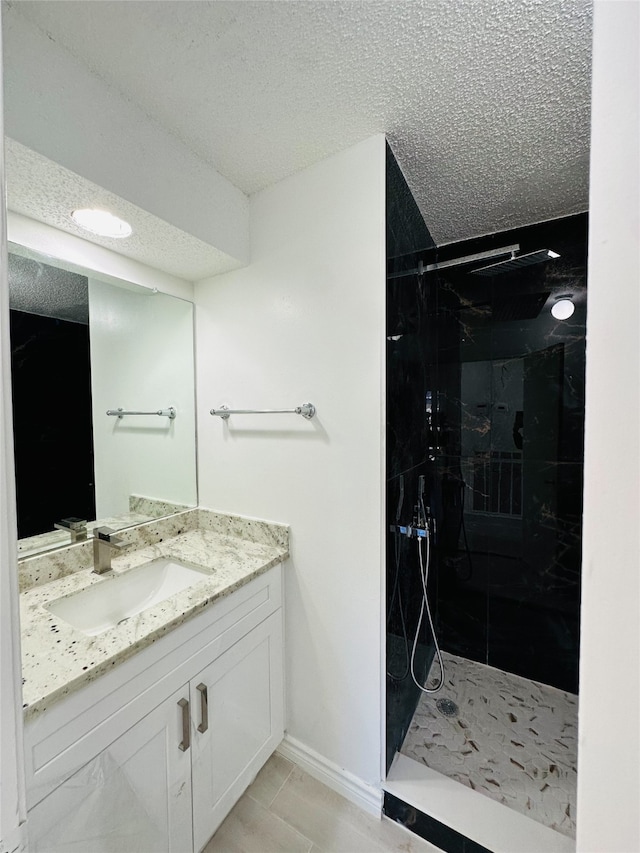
186	721
204	708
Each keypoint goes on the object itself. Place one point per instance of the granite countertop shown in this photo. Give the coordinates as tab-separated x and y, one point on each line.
58	659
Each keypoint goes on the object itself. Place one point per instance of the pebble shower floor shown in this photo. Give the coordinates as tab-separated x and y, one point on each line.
513	740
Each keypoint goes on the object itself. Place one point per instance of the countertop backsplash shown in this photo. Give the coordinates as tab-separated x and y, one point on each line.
41	569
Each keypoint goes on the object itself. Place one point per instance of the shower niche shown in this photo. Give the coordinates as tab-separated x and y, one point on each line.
485	402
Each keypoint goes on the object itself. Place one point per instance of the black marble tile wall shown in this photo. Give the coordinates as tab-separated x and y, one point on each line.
410	355
485	399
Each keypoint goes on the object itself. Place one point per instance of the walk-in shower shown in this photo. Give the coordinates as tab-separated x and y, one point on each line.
485	412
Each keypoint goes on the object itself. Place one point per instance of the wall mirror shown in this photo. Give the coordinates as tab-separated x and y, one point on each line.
83	345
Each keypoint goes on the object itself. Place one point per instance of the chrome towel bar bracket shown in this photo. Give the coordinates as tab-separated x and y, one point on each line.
307	410
164	413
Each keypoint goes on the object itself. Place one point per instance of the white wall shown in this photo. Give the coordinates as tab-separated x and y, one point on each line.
304	322
12	805
54	106
12	791
141	358
609	745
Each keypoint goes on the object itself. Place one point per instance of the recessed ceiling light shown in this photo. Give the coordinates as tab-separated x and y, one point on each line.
563	309
101	222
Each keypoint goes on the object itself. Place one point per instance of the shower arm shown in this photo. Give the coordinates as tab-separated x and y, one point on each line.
456	262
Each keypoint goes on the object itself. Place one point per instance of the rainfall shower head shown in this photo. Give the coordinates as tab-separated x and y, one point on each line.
514	263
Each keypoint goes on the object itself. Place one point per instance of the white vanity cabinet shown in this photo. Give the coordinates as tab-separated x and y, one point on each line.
241	686
153	755
134	795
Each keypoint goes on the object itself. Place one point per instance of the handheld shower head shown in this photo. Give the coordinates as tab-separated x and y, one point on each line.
400	499
422	511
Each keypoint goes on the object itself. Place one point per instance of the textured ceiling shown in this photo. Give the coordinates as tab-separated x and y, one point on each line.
39	288
47	192
485	102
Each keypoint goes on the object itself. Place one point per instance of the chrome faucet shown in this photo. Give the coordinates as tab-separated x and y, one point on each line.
77	527
104	542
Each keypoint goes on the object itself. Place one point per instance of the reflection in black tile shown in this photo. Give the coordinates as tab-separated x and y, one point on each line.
429	828
461	570
537	642
406	230
402	693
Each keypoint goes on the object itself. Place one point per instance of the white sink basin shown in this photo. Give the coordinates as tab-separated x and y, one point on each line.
118	597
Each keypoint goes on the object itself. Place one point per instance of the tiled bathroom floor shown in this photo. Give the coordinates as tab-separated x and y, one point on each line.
513	740
286	811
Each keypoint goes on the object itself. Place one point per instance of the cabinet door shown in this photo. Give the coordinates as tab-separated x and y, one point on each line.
244	723
135	796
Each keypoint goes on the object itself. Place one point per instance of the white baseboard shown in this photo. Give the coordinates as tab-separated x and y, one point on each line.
352	788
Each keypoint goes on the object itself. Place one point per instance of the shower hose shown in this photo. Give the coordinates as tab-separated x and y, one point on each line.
424	577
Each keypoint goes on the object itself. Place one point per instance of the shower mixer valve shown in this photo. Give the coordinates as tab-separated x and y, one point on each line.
420	527
409	530
423	523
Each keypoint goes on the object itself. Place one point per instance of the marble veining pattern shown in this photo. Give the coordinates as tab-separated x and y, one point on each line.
513	740
57	659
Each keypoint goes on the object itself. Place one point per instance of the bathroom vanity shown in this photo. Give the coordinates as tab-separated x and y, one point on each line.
143	736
